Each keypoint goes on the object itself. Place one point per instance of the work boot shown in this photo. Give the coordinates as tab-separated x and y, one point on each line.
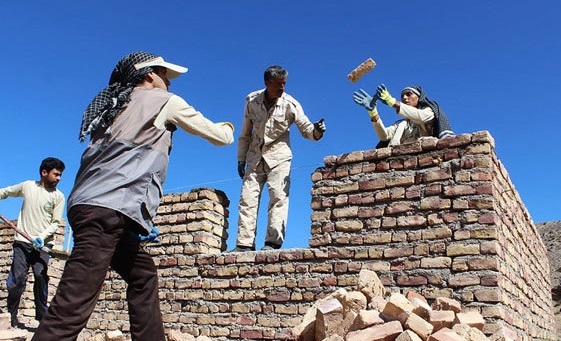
270	246
242	249
17	324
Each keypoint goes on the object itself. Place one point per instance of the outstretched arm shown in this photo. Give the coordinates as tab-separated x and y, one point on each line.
178	112
12	191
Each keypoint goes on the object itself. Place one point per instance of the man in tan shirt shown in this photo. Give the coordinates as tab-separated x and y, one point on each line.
264	156
40	216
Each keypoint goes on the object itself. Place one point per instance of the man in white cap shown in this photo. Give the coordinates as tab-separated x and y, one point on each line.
117	191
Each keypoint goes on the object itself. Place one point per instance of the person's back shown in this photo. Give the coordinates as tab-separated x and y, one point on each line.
117	191
130	161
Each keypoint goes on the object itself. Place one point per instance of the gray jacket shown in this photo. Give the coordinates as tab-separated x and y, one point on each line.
125	169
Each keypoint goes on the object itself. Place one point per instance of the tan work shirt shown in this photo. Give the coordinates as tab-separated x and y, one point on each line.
265	134
41	211
178	112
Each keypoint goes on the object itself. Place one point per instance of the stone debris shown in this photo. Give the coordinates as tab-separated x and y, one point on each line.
5	321
117	335
114	335
176	335
13	335
361	316
9	333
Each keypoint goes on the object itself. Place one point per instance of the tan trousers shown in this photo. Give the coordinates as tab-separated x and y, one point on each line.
278	184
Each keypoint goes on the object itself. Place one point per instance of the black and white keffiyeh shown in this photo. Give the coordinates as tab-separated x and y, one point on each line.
103	109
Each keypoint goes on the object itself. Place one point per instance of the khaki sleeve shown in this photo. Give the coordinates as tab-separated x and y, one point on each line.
305	126
178	112
245	134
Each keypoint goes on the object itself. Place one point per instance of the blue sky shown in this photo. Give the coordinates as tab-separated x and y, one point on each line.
491	66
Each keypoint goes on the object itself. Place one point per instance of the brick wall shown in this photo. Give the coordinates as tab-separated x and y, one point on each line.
440	217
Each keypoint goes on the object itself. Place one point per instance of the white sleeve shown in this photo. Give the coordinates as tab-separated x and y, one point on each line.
12	191
418	116
178	112
384	133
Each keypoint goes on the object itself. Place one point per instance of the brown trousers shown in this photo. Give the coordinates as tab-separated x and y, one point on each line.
101	239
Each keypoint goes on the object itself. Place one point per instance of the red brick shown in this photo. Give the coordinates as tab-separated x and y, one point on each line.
458	190
472	319
383	332
411	280
445	334
417	324
372	184
441	319
445	303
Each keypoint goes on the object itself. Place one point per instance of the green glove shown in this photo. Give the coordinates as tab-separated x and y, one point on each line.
384	95
373	114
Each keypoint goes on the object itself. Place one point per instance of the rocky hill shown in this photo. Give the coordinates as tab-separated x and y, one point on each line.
551	235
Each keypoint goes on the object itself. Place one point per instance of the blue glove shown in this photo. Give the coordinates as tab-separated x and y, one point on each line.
38	243
362	98
384	95
152	236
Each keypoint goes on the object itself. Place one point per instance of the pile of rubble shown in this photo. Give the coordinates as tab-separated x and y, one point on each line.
369	314
9	333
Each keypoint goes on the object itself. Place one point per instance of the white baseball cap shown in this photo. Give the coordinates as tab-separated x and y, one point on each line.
173	70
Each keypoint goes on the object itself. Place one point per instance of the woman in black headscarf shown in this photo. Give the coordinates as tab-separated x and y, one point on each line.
421	116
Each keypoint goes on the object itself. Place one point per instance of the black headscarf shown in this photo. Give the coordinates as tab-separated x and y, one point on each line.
440	125
103	109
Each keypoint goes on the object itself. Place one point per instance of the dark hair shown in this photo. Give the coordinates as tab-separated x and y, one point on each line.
275	71
51	163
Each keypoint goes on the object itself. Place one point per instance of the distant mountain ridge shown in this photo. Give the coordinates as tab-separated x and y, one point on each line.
551	235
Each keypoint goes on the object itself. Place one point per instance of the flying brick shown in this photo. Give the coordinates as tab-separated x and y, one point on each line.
361	70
